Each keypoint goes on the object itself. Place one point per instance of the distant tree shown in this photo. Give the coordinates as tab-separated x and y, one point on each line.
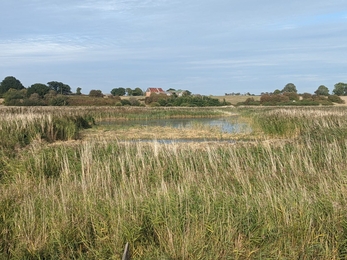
50	95
14	97
95	93
322	91
118	91
129	91
60	87
340	89
187	93
8	83
171	90
38	88
78	91
137	92
277	91
290	87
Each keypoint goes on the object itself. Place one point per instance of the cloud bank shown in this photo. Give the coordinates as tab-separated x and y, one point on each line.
208	47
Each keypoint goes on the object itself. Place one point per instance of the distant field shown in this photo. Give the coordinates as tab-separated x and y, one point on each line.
235	99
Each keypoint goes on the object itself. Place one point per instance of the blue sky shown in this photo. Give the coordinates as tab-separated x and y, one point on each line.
208	47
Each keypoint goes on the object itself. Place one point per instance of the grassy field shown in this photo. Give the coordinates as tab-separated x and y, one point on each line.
235	99
73	192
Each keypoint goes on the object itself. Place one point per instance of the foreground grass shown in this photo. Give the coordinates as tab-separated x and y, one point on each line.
259	200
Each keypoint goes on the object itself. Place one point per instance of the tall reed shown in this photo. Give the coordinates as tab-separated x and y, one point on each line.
259	200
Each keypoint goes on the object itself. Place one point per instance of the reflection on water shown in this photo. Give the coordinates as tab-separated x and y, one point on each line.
225	125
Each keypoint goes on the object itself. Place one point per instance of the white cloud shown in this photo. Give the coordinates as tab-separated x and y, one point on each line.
195	42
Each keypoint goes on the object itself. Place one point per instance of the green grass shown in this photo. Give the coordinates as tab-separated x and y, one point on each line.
281	198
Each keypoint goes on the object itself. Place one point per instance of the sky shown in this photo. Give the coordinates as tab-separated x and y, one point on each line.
209	47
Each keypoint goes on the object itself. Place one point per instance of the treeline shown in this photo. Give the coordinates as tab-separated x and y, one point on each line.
340	89
15	94
187	100
59	94
289	96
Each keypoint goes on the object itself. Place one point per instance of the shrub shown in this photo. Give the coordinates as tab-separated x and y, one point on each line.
291	95
307	96
134	101
249	102
273	99
58	101
96	93
155	98
13	97
125	102
336	99
154	104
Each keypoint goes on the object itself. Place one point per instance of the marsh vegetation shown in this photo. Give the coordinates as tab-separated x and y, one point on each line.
70	190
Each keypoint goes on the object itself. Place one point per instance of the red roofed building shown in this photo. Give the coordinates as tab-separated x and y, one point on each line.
149	91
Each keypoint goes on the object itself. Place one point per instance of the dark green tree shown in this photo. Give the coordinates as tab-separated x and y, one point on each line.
14	97
118	92
8	83
40	89
290	87
78	91
95	93
340	89
129	91
187	93
322	91
60	87
137	92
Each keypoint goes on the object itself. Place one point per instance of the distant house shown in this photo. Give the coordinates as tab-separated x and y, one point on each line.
149	91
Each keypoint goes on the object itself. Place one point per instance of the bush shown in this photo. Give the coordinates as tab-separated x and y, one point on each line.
273	99
336	99
154	104
307	96
291	95
96	93
156	98
125	102
249	102
134	101
13	97
58	101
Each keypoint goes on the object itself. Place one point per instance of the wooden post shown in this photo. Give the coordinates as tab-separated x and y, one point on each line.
126	254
